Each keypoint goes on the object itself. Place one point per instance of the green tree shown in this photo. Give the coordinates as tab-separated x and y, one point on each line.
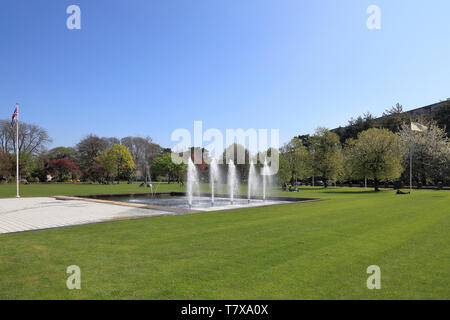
351	170
7	165
393	118
297	158
39	171
61	153
163	166
376	154
284	171
119	163
327	158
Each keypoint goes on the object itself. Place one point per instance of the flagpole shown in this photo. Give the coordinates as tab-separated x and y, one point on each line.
17	151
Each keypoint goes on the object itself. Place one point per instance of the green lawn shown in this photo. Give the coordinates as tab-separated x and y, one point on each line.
44	190
317	250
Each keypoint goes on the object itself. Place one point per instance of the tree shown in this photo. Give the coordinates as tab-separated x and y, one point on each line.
284	171
304	139
39	170
393	118
355	126
32	138
62	168
118	162
88	149
33	141
7	165
376	154
141	150
61	153
326	154
160	166
97	173
430	153
109	142
297	158
351	171
163	166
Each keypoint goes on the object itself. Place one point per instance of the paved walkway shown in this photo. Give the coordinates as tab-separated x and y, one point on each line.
26	214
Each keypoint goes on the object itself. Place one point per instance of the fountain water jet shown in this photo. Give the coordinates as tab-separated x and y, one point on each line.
213	177
231	180
265	174
251	181
192	181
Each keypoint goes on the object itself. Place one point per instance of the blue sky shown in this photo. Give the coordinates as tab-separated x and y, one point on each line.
146	67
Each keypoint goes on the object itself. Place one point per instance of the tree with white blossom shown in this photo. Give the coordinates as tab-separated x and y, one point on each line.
429	151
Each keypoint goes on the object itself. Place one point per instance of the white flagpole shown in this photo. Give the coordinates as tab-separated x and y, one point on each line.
17	151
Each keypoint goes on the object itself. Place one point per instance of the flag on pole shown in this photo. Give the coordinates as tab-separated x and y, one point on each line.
415	126
14	116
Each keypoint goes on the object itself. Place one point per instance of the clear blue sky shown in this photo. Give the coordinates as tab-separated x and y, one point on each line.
147	67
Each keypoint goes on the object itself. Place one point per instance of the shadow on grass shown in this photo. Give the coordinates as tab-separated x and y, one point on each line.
354	192
338	191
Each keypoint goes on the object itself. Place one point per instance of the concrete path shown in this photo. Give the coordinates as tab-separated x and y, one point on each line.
26	214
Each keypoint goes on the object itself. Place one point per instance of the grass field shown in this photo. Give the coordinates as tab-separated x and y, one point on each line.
44	190
317	250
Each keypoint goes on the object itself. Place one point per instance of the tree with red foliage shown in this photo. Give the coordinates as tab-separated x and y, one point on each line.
63	167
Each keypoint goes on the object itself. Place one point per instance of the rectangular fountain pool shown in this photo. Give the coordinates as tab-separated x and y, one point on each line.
178	201
199	203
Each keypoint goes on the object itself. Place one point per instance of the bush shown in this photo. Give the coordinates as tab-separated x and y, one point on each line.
65	179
